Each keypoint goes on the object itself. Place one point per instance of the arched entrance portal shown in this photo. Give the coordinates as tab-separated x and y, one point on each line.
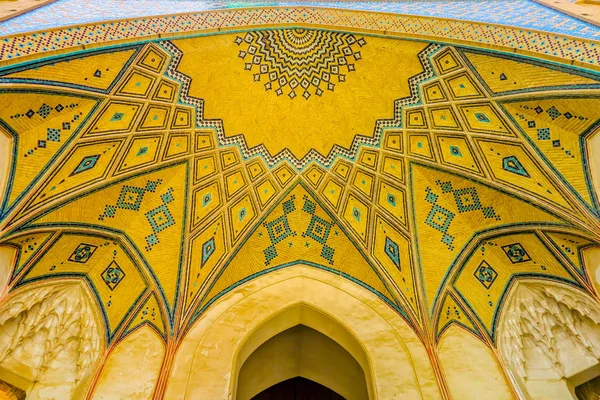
210	360
298	389
301	352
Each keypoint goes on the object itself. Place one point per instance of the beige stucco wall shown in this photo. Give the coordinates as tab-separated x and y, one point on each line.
470	367
132	368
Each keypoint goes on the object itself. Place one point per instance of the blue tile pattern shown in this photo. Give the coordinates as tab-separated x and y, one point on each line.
518	13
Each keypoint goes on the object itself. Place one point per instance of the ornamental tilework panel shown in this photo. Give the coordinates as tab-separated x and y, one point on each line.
153	205
85	165
571	247
97	73
149	313
299	231
271	58
452	211
207	249
391	249
496	262
27	246
183	152
520	170
115	277
45	123
503	75
303	58
557	128
452	312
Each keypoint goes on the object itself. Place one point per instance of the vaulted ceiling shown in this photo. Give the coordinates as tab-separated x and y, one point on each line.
164	174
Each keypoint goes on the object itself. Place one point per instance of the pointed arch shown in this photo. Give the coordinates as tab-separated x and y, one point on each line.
394	359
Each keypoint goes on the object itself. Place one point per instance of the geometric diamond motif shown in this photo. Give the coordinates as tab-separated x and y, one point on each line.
270	254
516	253
482	117
489	212
85	164
356	214
113	275
467	199
160	218
391	199
543	134
208	248
152	185
130	198
309	207
279	229
553	112
485	274
289	206
206	199
455	151
242	214
318	229
44	110
392	251
512	164
151	240
431	197
53	135
327	253
167	197
110	211
82	253
439	218
445	186
117	116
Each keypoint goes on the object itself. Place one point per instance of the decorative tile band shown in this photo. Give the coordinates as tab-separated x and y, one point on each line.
525	14
539	44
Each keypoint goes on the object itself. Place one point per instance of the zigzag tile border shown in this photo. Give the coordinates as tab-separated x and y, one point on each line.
312	155
541	44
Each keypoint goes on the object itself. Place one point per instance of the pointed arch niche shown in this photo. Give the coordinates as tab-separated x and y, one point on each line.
393	360
301	351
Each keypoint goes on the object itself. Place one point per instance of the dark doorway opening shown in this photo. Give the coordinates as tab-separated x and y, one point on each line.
298	388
